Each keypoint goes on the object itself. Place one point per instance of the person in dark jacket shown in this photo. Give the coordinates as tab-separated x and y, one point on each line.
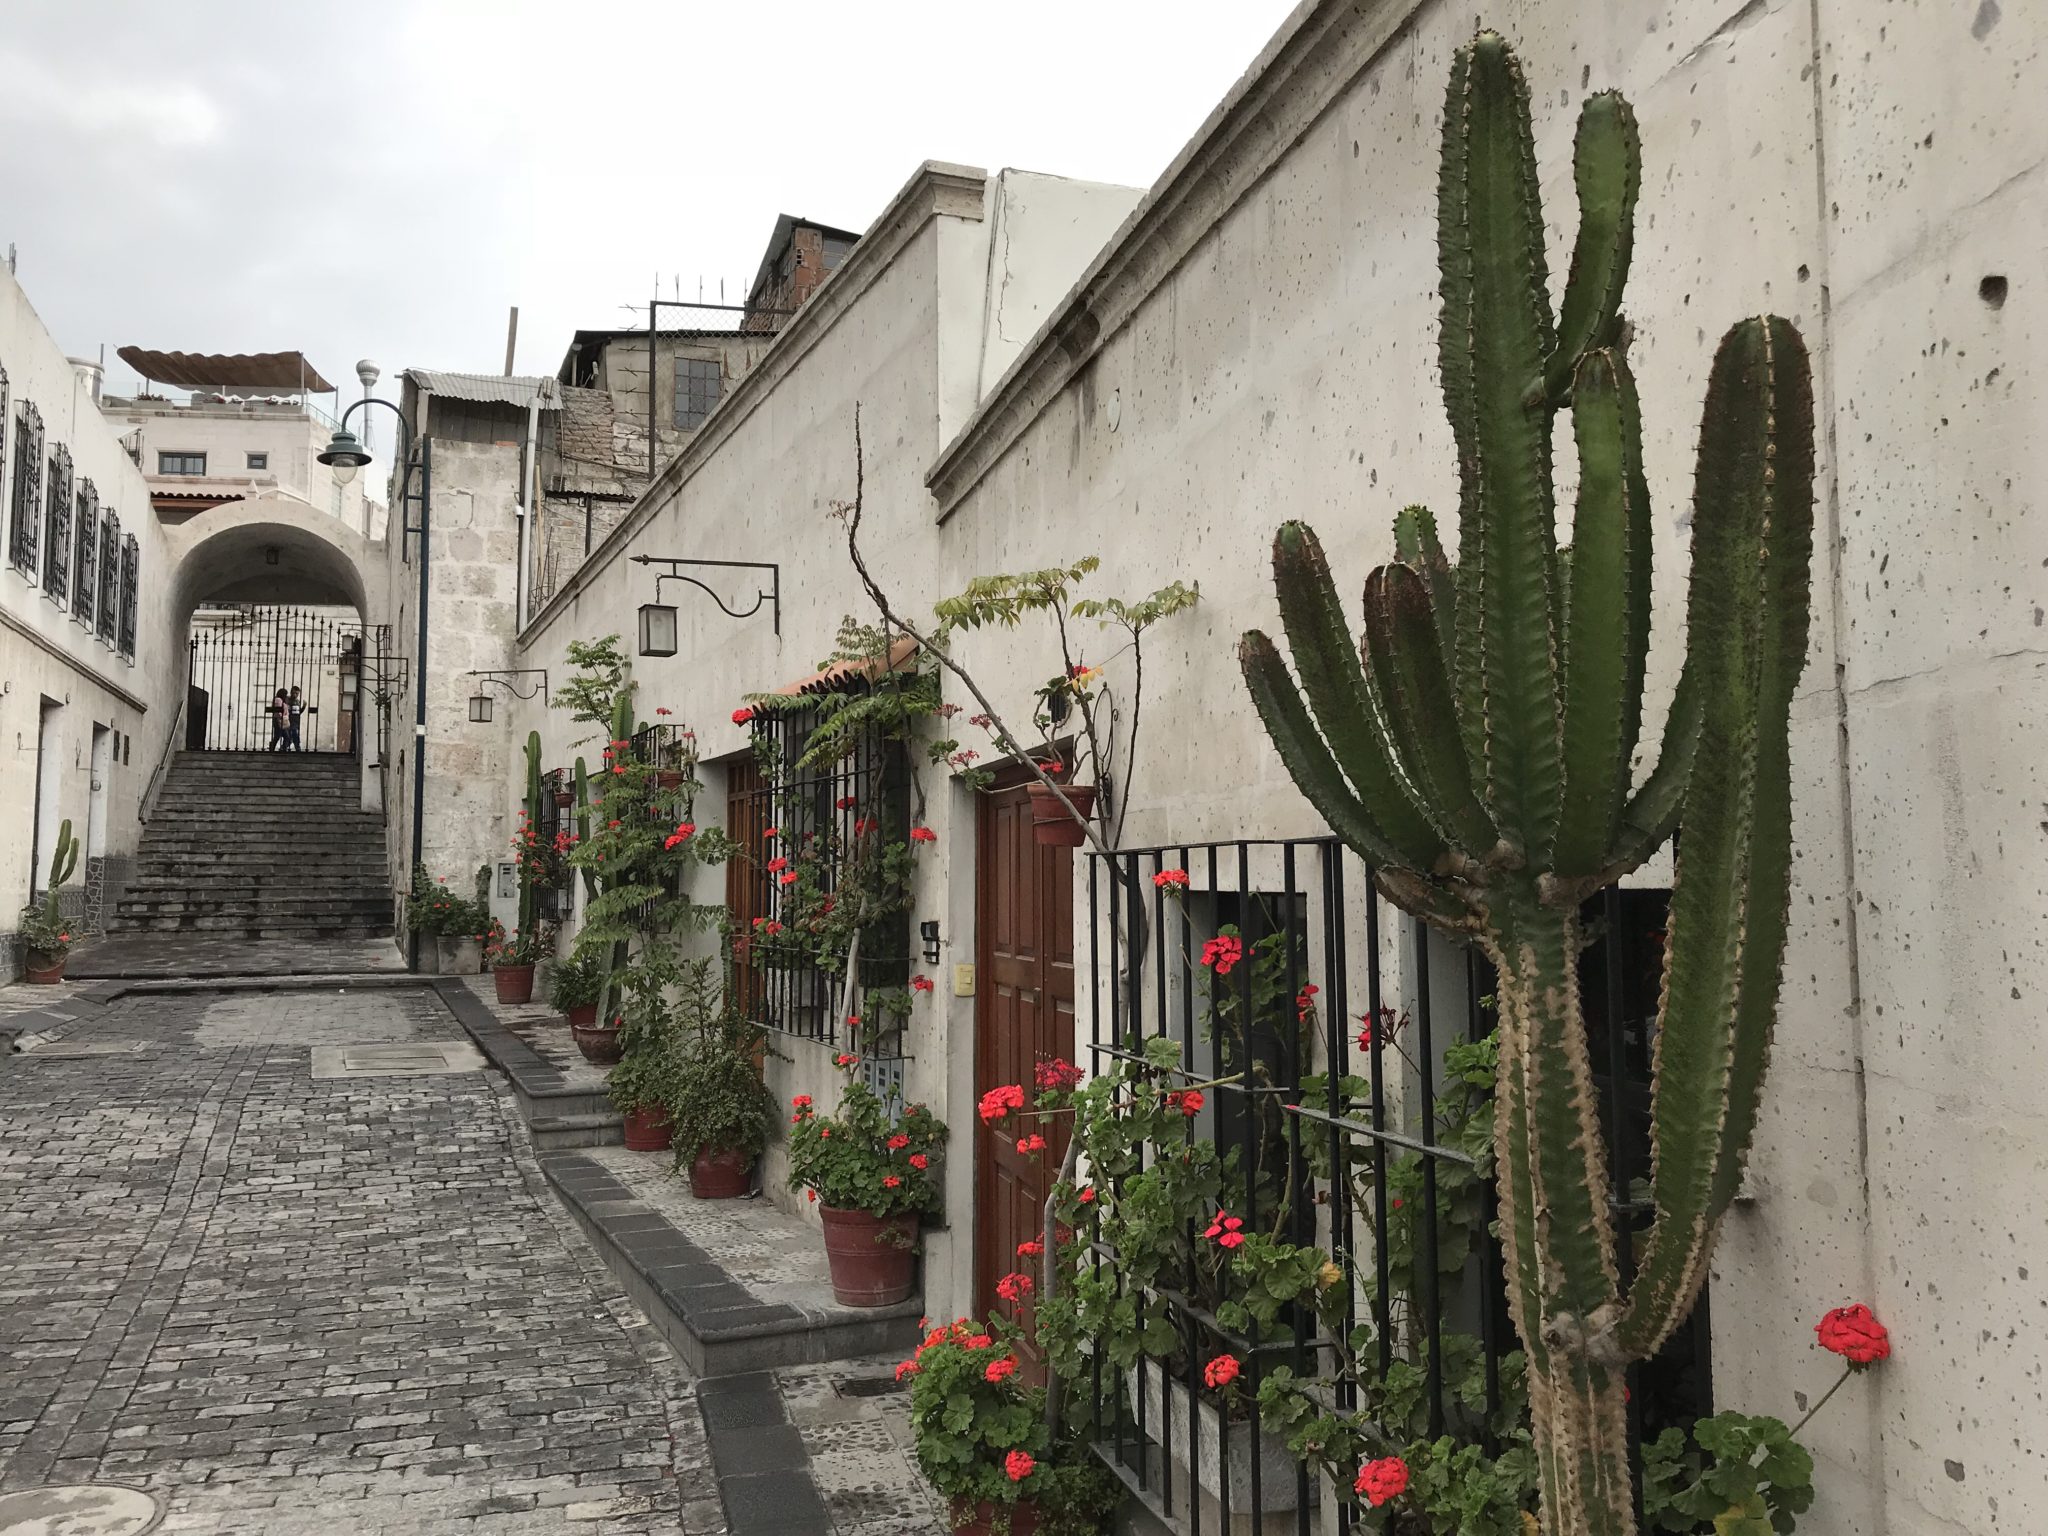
280	721
295	706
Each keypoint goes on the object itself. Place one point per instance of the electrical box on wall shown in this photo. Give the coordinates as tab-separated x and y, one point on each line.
963	981
508	879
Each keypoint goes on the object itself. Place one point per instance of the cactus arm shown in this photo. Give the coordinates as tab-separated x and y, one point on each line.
1417	545
1496	334
583	827
1338	693
1607	618
64	857
1746	625
1308	760
533	792
1414	696
1607	165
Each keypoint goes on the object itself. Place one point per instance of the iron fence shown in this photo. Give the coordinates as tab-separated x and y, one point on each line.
241	656
1352	1120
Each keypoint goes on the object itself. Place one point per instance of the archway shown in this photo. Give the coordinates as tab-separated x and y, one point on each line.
277	595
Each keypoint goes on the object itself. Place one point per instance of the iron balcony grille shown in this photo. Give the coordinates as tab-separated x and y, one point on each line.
57	526
85	586
25	524
109	605
1410	1221
131	571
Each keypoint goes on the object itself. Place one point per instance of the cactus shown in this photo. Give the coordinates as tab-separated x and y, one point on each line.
533	794
1478	751
583	826
63	865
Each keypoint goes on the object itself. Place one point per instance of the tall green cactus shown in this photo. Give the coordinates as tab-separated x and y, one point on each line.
1478	751
583	826
63	865
533	793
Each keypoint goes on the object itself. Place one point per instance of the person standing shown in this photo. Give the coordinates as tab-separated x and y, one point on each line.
280	720
295	707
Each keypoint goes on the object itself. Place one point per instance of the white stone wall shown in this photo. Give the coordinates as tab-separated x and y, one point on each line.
46	655
290	438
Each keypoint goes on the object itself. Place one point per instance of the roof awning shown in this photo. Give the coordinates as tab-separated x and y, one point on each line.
841	674
489	388
225	370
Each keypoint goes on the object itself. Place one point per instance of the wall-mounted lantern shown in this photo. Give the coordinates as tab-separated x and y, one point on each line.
480	709
657	629
928	930
501	677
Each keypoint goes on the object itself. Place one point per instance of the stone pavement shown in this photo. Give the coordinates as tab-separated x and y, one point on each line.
348	1305
291	1305
133	955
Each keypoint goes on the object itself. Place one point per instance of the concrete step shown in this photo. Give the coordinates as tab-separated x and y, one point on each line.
266	928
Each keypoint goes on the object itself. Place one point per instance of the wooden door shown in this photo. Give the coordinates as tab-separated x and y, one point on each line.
1023	1015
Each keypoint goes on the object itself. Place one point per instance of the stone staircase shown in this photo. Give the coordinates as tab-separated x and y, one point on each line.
260	845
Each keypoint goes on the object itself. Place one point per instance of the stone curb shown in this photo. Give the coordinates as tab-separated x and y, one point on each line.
557	1115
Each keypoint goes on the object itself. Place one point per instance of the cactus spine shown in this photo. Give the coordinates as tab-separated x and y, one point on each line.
1478	751
533	794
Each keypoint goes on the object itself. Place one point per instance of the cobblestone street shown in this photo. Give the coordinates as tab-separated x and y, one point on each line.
288	1302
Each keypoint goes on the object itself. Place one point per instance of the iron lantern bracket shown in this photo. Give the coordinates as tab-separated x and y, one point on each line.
770	594
502	677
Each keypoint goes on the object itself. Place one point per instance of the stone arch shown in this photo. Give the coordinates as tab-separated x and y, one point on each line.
224	554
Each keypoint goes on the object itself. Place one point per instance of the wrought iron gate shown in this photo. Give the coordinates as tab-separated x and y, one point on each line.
242	654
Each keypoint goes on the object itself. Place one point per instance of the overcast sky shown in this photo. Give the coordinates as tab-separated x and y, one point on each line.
383	179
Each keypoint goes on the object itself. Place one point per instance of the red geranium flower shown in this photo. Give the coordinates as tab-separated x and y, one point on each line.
789	879
1032	1143
1382	1480
998	1102
898	1142
920	983
661	711
1855	1334
1030	1250
919	1161
1057	1075
923	835
777	865
1171	879
845	803
1087	1195
891	1181
742	715
845	1059
1014	1287
1222	952
1018	1465
1187	1100
801	1101
907	1368
771	831
1221	1371
1225	1230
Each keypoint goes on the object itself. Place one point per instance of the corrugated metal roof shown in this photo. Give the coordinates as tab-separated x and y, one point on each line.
492	388
222	370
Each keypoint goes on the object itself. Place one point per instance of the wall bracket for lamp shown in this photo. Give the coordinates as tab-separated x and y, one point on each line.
657	622
504	677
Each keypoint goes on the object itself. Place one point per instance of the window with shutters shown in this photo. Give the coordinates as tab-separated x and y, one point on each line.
110	576
28	489
131	563
57	526
85	581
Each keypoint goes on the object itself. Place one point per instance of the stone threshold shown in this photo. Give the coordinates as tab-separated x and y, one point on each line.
715	1322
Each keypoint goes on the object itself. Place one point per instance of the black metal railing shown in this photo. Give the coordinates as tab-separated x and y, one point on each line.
240	657
1359	1123
858	800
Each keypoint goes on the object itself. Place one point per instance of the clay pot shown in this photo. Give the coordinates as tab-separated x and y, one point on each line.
647	1128
45	967
565	798
514	983
873	1259
982	1520
1051	826
582	1016
721	1175
669	778
599	1043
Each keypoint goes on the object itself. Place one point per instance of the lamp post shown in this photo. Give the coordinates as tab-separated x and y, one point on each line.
344	454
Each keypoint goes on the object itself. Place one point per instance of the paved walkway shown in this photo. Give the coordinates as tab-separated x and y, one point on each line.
172	955
289	1304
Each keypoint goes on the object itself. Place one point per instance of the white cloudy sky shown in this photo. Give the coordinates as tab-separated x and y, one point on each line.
384	178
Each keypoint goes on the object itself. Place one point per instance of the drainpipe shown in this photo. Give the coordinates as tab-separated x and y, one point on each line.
529	496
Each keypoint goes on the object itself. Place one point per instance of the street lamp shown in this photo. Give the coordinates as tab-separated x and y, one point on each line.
657	630
343	453
480	708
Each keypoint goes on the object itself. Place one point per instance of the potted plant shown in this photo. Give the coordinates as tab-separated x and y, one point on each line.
42	931
642	1084
574	986
463	927
559	786
869	1170
980	1430
512	959
719	1107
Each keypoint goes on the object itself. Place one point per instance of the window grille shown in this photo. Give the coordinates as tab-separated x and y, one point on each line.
853	807
108	610
28	489
131	563
699	381
1410	1227
57	526
5	417
85	582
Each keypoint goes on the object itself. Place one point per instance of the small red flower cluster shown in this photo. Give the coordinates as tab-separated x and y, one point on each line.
1222	952
920	983
1188	1101
998	1102
1171	880
1225	1230
1030	1250
845	803
923	835
802	1105
1855	1334
683	833
777	865
898	1142
1388	1027
1032	1143
1018	1465
742	715
1057	1075
771	831
848	1059
1305	1002
1221	1371
1382	1480
1001	1370
767	925
1014	1287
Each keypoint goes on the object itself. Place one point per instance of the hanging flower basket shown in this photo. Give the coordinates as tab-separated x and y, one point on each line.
564	798
1051	826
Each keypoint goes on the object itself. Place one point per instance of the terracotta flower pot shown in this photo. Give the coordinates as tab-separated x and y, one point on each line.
721	1175
669	778
565	798
582	1016
873	1259
647	1128
514	983
599	1043
984	1518
45	967
1051	826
